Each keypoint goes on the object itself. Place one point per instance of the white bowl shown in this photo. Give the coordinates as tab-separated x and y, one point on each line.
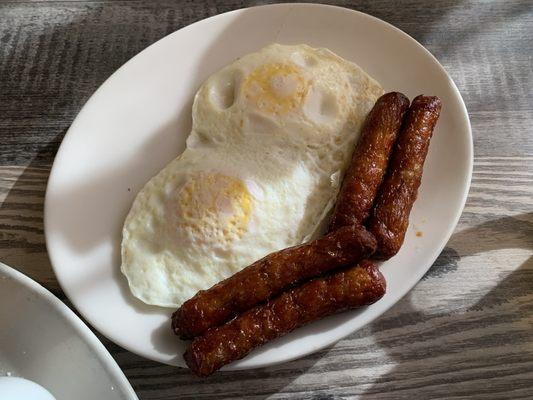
138	121
44	341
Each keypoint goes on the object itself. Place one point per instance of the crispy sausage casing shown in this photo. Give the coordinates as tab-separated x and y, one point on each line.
369	161
398	192
270	276
351	288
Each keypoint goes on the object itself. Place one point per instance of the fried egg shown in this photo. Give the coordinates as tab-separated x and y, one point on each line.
272	133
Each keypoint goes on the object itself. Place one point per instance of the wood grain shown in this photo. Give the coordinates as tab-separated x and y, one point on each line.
464	332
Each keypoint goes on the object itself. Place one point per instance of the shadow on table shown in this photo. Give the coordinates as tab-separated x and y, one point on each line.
22	246
438	357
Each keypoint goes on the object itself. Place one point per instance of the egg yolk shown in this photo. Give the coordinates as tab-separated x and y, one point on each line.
214	207
276	88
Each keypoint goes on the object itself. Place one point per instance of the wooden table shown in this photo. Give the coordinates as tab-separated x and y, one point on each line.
465	331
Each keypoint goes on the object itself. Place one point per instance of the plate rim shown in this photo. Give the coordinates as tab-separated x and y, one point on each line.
410	283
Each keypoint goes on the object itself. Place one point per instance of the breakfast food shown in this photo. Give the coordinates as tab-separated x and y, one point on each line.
270	276
260	175
354	287
369	161
398	192
359	187
271	134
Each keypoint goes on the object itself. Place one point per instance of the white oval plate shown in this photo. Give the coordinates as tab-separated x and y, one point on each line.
44	341
138	121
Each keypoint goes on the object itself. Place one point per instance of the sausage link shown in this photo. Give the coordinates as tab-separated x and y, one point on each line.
270	276
354	287
398	192
369	161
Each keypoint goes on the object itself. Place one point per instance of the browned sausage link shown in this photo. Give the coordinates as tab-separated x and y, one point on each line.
270	276
369	161
355	287
390	216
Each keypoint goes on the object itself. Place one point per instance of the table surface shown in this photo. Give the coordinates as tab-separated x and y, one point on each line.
466	329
